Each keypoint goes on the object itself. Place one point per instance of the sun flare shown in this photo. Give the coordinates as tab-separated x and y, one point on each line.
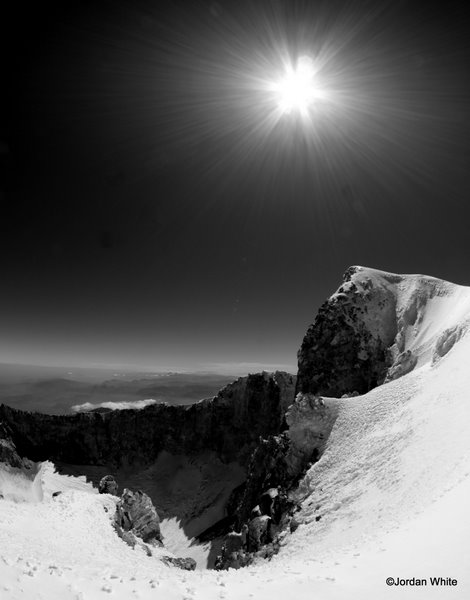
298	90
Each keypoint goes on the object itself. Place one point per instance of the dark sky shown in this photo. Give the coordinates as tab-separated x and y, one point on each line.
153	214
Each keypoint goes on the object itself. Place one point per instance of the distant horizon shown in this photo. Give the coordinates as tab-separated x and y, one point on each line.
136	369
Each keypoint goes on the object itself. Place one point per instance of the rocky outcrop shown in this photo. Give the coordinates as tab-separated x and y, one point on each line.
279	461
264	508
346	349
260	535
269	467
136	513
310	420
137	523
230	424
8	452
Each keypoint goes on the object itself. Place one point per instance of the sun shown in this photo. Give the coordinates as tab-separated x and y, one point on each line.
298	90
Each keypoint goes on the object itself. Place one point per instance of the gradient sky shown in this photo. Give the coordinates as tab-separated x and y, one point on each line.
155	215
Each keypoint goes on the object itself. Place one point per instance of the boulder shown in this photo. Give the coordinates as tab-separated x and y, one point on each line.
234	560
259	533
266	502
234	542
293	525
135	512
108	485
188	564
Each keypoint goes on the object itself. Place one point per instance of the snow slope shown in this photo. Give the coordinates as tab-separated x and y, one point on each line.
388	497
429	315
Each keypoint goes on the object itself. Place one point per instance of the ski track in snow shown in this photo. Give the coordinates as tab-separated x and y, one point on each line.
391	491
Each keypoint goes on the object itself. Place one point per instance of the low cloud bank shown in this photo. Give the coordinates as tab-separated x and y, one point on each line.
89	406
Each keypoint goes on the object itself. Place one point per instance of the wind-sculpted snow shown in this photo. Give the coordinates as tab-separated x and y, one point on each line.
37	483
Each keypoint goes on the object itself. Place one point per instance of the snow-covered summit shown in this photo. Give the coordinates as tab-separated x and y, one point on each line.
378	326
430	314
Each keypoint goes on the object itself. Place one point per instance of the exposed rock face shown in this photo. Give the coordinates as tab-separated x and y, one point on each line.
229	424
346	348
279	461
269	467
8	453
260	535
310	420
136	513
264	507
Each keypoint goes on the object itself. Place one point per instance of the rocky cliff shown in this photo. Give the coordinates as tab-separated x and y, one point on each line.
346	349
8	452
377	327
229	424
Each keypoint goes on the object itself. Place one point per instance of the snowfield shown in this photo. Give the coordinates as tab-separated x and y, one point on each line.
388	498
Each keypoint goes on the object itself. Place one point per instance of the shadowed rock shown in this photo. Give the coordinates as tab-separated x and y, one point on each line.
8	452
108	485
229	424
259	533
347	347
